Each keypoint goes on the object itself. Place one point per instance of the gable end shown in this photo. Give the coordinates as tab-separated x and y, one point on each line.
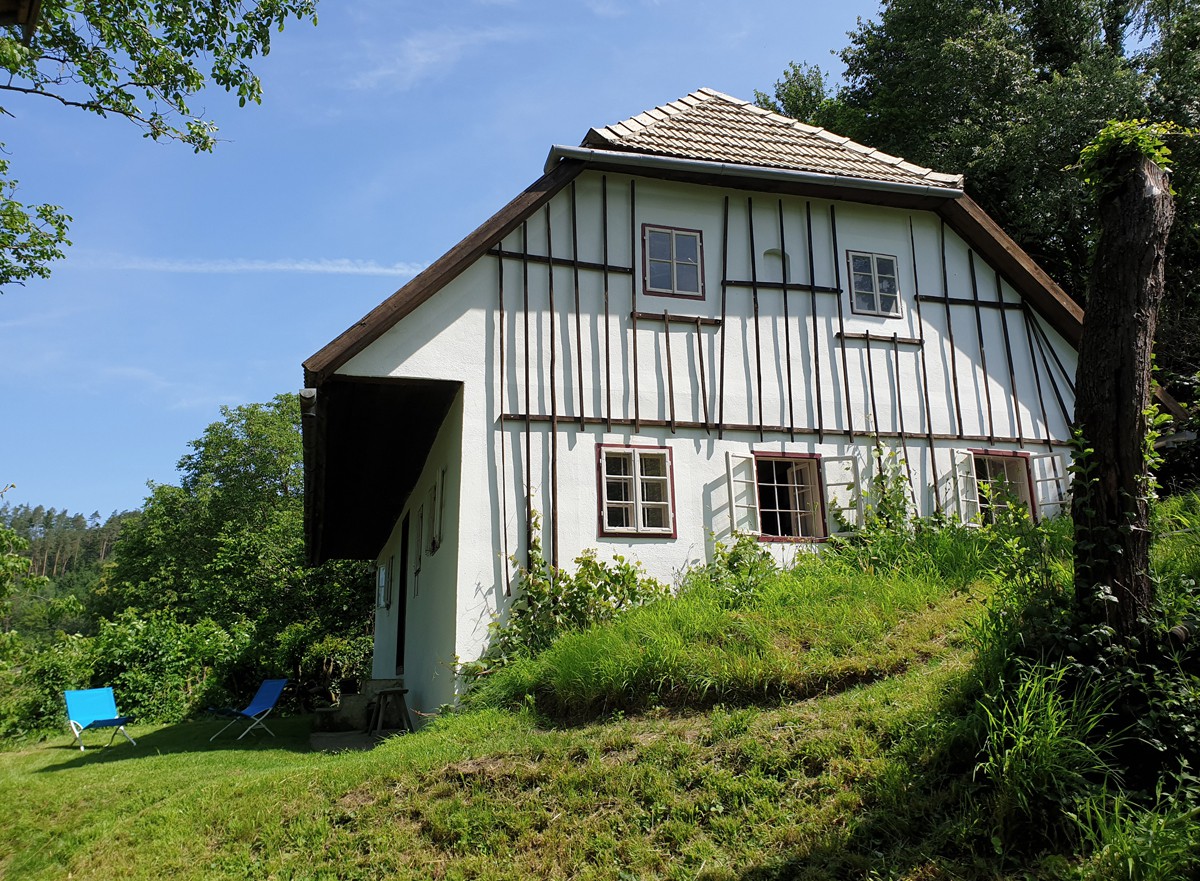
441	272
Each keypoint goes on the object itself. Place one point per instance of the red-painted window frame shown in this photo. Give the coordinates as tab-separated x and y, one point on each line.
819	489
1011	454
602	529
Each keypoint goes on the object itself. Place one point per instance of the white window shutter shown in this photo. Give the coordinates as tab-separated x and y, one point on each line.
966	486
743	494
1051	485
840	474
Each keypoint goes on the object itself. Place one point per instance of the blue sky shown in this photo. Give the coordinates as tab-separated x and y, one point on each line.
386	134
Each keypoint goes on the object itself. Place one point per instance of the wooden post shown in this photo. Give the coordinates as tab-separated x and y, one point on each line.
528	401
837	275
633	252
607	326
553	397
912	243
987	386
670	368
757	329
787	326
950	334
578	319
500	423
1012	373
724	322
816	339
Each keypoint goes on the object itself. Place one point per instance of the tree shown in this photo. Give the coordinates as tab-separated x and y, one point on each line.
143	60
1008	94
227	544
1112	481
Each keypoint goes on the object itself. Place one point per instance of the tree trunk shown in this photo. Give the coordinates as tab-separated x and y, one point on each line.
1112	538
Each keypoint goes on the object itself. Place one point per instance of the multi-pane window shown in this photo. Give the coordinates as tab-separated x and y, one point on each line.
789	499
873	286
1000	481
673	262
635	491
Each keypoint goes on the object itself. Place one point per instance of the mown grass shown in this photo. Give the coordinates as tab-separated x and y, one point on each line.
738	792
820	724
769	717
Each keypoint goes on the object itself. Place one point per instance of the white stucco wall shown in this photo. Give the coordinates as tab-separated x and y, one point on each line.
429	581
458	335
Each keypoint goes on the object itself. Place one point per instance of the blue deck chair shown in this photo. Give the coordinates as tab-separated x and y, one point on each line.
260	707
95	708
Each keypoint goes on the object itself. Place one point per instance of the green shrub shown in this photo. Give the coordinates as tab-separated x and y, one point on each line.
31	700
164	669
551	602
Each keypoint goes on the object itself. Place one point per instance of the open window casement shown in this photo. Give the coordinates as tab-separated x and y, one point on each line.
964	495
1051	484
743	495
843	500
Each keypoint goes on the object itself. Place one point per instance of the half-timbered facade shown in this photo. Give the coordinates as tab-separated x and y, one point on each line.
703	320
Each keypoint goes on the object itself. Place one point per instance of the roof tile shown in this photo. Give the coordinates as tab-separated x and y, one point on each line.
711	126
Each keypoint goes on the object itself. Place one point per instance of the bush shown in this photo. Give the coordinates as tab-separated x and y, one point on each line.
551	602
1129	843
164	669
31	700
161	670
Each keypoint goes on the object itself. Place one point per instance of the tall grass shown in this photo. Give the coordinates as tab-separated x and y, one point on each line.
1045	747
742	632
1131	843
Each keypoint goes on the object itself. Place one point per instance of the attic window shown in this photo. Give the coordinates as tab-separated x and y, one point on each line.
673	262
873	286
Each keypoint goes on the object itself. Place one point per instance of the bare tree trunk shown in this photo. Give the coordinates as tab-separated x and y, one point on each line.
1112	538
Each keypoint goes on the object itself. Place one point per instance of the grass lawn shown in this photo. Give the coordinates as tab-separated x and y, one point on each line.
803	784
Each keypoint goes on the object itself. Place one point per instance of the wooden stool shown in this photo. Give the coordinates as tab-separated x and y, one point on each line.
386	696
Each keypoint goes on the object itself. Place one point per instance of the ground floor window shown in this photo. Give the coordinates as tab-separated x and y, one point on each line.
636	495
797	496
1001	481
789	497
987	482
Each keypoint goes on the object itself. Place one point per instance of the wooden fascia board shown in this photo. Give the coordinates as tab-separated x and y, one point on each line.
803	189
992	243
441	272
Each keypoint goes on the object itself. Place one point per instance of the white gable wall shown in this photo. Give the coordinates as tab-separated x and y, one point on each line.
563	363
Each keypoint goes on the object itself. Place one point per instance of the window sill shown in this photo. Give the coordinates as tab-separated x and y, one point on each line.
794	539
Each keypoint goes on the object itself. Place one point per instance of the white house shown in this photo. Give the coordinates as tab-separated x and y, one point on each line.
701	320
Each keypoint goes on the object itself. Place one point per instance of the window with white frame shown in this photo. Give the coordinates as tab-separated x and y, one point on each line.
874	289
673	262
636	496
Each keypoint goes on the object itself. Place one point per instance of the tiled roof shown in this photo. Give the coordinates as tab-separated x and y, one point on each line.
715	127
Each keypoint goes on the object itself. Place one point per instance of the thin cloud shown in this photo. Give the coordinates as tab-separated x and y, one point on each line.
429	53
226	266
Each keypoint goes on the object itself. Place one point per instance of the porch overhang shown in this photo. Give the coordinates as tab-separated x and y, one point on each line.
366	440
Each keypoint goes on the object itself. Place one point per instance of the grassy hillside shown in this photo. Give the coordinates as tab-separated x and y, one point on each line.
828	723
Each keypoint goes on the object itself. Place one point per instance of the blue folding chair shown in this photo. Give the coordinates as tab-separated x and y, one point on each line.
258	710
95	708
